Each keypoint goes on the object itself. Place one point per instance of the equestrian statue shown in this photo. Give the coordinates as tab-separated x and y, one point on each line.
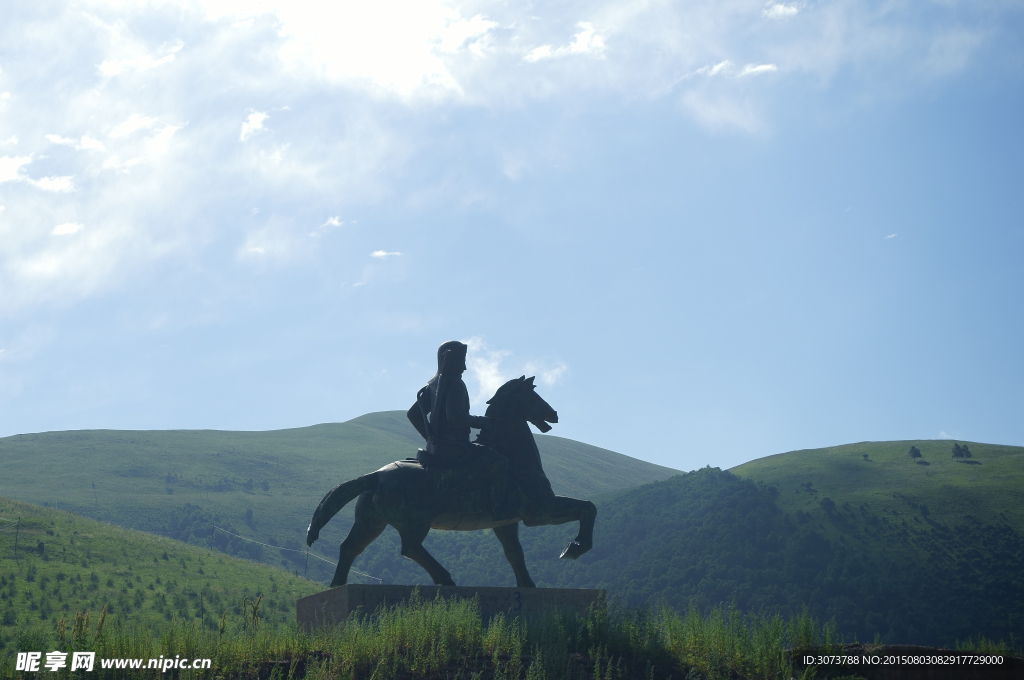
494	482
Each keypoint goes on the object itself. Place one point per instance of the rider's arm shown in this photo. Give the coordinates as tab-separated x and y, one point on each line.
457	408
416	418
417	413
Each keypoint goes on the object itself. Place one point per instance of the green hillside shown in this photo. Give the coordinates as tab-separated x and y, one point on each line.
65	564
886	481
261	485
888	546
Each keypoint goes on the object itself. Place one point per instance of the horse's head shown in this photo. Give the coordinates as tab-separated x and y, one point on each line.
518	399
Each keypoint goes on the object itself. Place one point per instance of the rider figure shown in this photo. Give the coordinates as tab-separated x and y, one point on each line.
441	416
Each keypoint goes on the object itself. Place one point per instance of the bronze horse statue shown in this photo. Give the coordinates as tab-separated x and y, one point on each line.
415	498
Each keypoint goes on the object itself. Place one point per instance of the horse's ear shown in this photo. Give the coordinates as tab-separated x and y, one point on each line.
522	378
529	381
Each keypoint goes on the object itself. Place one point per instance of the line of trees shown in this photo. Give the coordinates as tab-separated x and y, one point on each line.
961	452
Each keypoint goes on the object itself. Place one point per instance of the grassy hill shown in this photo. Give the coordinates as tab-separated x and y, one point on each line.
911	551
888	546
262	485
884	480
65	563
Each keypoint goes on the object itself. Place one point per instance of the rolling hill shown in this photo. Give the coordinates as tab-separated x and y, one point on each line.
64	564
886	545
259	485
926	550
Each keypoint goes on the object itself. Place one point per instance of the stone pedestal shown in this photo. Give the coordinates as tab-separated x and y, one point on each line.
334	605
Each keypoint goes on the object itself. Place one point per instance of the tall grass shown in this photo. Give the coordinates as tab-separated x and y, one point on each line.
447	639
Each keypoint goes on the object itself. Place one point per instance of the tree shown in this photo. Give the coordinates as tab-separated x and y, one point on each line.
957	451
966	451
914	452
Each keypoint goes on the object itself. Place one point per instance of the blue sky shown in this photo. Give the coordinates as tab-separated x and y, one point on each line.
714	230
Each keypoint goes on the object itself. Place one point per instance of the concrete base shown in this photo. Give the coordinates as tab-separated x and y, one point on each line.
334	605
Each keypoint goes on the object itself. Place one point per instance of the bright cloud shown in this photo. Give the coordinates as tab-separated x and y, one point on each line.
252	125
134	123
548	375
86	142
10	167
67	228
56	184
586	41
715	69
454	36
891	236
780	11
138	62
485	367
346	83
754	69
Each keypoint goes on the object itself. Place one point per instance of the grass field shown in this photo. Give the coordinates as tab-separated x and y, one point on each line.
884	478
65	564
448	639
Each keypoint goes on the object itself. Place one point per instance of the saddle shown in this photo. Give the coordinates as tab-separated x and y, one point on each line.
463	483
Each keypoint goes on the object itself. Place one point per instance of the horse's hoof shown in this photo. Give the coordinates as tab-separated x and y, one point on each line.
311	535
572	551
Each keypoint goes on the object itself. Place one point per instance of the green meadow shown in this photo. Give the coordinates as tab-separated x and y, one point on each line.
54	564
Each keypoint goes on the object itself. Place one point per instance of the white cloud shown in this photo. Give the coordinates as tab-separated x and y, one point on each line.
754	69
332	223
67	228
891	236
85	143
943	435
712	70
454	36
134	123
780	11
138	62
383	254
484	366
548	375
12	140
55	184
252	125
586	41
10	167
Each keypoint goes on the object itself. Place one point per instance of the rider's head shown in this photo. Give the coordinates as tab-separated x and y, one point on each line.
456	352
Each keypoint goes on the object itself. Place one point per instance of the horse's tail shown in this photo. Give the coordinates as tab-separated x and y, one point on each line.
335	500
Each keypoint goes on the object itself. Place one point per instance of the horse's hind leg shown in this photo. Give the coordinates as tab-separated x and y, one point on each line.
412	547
509	537
367	527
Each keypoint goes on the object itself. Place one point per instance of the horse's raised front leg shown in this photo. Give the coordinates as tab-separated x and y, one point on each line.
562	509
412	547
509	537
367	527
